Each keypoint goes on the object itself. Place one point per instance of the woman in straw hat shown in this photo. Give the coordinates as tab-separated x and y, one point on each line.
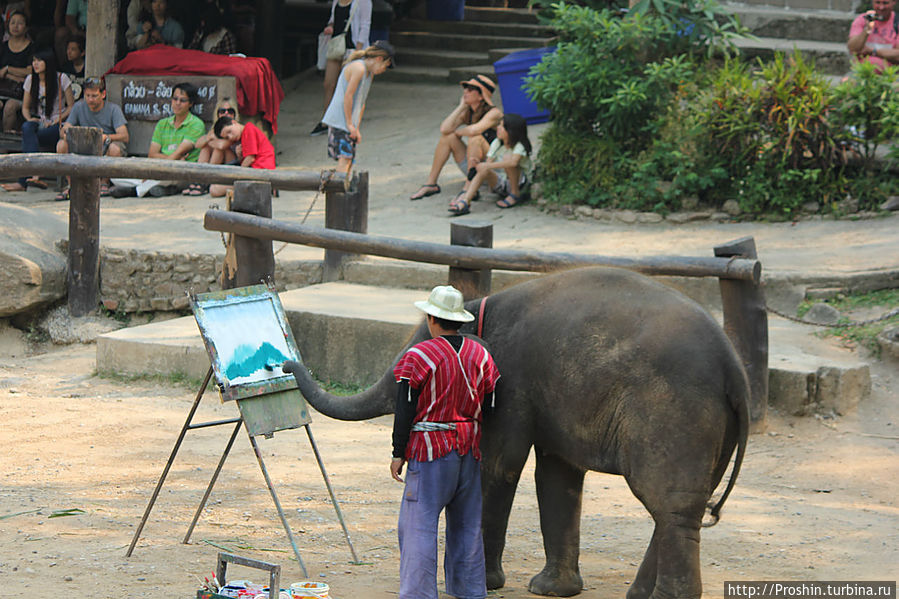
475	118
437	429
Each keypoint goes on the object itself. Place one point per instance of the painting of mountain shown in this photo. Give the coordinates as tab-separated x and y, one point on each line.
246	360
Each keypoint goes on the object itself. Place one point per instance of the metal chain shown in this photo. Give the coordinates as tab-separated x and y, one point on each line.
860	323
326	177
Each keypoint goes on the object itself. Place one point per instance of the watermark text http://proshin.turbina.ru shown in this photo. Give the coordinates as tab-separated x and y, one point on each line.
814	589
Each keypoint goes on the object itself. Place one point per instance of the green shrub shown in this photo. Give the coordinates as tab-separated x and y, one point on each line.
702	26
575	168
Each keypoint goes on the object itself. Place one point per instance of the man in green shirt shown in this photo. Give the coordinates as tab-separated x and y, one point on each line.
175	137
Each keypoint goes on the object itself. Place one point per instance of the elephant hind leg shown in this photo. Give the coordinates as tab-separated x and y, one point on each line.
560	487
672	558
645	581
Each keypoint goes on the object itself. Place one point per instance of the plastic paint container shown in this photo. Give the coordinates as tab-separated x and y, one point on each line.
309	588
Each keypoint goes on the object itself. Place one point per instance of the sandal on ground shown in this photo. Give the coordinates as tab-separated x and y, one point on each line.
476	196
62	196
13	187
505	203
426	190
104	190
187	190
459	207
36	183
197	189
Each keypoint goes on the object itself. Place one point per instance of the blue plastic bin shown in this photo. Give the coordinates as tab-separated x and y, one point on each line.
510	72
446	10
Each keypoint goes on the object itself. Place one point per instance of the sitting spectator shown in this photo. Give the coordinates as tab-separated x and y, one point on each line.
160	28
212	36
45	17
95	111
15	65
74	65
257	151
139	12
874	35
75	23
175	137
47	103
475	118
216	150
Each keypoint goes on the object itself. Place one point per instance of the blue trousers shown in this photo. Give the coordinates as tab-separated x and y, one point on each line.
35	137
453	483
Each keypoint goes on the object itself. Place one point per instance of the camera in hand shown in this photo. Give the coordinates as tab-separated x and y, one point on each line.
874	17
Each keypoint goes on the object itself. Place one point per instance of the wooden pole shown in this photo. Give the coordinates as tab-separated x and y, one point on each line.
254	257
345	211
84	226
473	257
44	164
473	283
746	323
102	33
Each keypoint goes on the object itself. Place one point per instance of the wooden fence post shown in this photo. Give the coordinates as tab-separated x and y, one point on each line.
84	226
253	258
746	323
472	283
346	211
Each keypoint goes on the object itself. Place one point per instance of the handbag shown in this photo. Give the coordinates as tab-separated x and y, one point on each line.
337	43
10	88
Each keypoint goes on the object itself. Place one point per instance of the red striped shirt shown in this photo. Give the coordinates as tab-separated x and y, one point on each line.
452	388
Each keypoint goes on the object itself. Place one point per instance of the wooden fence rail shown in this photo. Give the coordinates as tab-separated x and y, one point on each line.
473	257
18	165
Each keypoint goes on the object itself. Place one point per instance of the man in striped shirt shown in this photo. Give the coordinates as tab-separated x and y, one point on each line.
443	383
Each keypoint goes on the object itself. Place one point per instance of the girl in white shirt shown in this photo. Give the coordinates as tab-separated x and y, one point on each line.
505	169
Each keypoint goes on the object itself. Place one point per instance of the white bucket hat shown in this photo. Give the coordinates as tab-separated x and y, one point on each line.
445	301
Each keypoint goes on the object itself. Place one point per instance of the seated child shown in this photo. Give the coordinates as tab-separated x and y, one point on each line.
510	151
256	150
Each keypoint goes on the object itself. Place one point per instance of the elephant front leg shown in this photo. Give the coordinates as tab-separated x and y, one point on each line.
499	478
560	487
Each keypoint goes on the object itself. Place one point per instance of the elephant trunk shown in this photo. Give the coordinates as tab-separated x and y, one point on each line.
374	401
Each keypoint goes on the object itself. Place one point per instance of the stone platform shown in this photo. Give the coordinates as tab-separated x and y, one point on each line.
351	333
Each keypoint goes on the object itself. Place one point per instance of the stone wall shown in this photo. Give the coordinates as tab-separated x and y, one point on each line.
135	281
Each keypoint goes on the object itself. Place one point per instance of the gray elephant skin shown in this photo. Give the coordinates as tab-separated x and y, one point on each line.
606	370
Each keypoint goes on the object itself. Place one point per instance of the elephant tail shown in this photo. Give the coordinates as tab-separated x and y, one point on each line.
738	395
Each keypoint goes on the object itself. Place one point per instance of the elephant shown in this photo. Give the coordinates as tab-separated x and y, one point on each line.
607	370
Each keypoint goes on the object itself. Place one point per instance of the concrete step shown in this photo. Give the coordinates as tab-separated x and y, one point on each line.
425	57
500	15
463	42
351	333
489	28
830	58
836	5
814	25
345	332
416	74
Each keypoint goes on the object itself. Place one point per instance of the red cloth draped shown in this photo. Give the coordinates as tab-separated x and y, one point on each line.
258	89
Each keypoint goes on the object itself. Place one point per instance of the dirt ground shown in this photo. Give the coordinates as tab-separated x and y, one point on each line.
816	500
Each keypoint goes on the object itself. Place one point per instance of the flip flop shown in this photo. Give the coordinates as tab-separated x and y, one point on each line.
505	203
460	207
198	190
424	191
36	183
62	196
190	189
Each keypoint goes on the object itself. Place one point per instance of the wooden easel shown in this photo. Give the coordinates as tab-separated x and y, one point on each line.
265	408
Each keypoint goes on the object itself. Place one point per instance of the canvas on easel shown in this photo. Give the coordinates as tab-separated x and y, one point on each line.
248	338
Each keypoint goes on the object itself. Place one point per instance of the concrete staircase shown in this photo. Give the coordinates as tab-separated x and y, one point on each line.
436	51
819	33
450	51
